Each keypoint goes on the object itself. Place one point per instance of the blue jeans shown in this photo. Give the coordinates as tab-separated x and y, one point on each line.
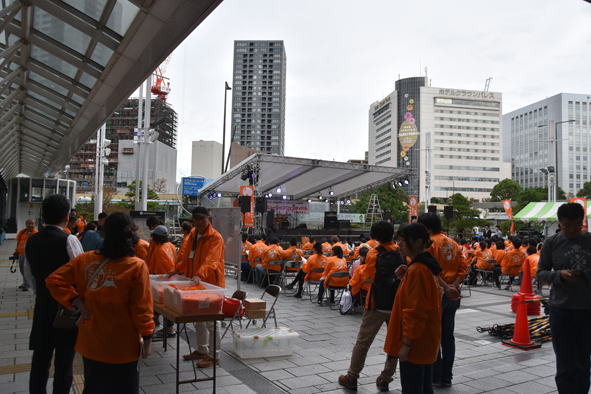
442	368
415	378
571	340
259	273
244	271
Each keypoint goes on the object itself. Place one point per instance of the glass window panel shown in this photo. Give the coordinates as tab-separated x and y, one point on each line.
37	190
24	189
101	54
47	83
121	17
87	80
60	31
52	61
92	8
43	99
77	99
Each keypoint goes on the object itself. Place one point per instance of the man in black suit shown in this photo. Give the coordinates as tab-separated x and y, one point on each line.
46	251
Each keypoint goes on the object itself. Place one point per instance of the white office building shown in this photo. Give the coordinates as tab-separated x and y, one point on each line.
450	138
206	159
532	131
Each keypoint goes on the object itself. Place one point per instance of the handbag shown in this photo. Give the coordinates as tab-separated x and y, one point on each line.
67	318
346	303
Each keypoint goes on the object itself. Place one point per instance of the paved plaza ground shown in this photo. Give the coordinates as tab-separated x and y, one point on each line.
322	352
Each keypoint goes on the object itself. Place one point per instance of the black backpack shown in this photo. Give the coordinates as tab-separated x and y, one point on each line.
385	283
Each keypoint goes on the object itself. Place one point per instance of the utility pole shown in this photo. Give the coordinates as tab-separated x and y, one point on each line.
226	88
138	154
102	152
146	147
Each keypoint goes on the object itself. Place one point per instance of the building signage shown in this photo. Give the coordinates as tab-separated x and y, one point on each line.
288	207
467	93
248	217
191	185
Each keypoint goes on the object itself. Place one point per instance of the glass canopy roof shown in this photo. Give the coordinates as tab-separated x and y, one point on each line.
65	65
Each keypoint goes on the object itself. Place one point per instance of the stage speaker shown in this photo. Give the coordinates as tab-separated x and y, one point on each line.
270	220
244	203
432	209
448	212
260	205
331	220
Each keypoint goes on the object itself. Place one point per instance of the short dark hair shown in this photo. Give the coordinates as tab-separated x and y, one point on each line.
414	231
317	247
293	242
363	251
55	209
334	239
197	211
186	225
531	250
500	244
119	232
102	215
337	251
571	211
516	242
431	221
153	221
91	226
382	231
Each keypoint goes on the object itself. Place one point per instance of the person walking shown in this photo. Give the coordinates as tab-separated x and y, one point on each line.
91	239
381	263
111	289
46	251
454	269
19	252
414	330
205	260
565	263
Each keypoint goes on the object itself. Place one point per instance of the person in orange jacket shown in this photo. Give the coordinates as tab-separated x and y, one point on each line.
359	261
141	247
454	269
21	239
293	255
512	262
186	228
80	224
414	330
205	260
305	274
335	263
373	243
326	248
498	256
274	252
116	308
308	245
255	256
244	264
377	306
532	258
336	241
356	283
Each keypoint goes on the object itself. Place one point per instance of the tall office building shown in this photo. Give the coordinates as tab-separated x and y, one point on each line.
120	126
206	159
532	130
258	95
450	139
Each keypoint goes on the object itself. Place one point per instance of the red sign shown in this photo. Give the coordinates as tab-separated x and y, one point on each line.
248	217
413	207
583	202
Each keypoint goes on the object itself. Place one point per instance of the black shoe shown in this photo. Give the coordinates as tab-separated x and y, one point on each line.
297	295
160	333
383	384
441	384
290	286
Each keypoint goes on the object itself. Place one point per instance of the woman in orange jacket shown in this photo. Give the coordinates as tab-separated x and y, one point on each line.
186	228
512	262
414	329
335	263
116	308
21	239
315	261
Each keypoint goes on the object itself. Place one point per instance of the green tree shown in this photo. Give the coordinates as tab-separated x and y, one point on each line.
465	217
535	194
585	191
507	189
392	202
152	195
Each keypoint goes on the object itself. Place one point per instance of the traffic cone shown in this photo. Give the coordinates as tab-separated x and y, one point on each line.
533	308
521	339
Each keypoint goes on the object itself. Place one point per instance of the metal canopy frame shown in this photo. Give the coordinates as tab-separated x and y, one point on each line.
65	66
305	178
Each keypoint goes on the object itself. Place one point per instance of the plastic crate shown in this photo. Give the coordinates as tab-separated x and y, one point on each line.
264	342
159	282
195	302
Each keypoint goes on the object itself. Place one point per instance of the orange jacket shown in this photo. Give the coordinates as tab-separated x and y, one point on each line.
119	301
512	262
483	258
162	258
307	246
344	247
21	240
293	254
80	225
533	264
333	265
372	243
326	247
245	246
208	257
357	283
184	247
67	230
356	251
273	253
142	248
523	248
257	250
499	256
450	258
416	315
314	262
369	272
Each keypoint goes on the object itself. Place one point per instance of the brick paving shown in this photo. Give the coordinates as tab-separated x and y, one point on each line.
322	351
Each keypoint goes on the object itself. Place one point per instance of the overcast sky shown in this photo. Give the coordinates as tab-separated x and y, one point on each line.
342	55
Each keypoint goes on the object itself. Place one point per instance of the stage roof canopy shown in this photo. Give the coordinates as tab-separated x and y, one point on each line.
543	212
304	178
65	66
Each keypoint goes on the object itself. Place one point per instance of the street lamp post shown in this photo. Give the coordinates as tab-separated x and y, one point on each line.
226	88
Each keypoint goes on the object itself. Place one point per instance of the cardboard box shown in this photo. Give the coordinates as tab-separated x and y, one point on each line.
256	314
254	304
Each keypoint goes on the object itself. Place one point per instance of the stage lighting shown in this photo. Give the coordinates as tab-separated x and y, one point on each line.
278	190
219	195
406	181
399	184
348	202
320	197
285	197
309	200
331	193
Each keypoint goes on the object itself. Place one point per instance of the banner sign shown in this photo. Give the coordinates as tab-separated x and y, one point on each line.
352	217
413	207
509	211
191	185
583	202
287	207
248	217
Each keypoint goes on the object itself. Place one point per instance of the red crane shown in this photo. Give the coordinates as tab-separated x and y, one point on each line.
161	86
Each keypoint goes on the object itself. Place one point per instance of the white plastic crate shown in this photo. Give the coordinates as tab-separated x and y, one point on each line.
158	282
264	342
195	302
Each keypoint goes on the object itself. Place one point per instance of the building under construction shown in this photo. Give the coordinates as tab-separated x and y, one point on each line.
120	126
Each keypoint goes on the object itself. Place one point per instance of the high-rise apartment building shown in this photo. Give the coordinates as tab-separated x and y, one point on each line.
450	139
532	131
258	95
120	126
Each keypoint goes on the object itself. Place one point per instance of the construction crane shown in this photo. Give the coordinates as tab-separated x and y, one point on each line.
487	84
161	86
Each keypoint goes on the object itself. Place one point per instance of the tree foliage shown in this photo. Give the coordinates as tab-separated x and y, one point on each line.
129	203
465	217
585	191
392	202
507	189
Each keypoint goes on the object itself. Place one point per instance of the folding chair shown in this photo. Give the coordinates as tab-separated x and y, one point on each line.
273	291
269	274
251	276
291	270
316	283
239	295
339	290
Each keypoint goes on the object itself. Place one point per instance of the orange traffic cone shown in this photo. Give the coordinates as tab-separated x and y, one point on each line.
533	308
521	339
